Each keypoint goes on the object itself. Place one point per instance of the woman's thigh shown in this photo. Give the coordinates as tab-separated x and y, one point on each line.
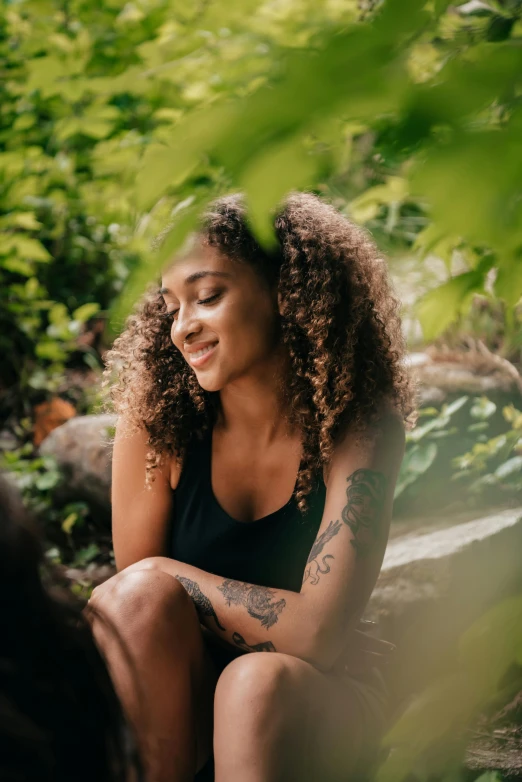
332	722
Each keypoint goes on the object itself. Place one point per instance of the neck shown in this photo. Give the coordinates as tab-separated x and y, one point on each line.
254	403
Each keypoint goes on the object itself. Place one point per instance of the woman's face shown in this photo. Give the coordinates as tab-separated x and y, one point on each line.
223	316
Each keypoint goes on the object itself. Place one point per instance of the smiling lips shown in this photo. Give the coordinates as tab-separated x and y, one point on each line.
197	356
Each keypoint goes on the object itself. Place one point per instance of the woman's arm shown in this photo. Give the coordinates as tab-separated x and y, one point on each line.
341	571
140	515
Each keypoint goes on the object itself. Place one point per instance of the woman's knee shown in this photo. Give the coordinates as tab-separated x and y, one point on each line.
143	598
254	686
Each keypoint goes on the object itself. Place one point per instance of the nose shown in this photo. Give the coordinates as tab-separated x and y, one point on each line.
184	326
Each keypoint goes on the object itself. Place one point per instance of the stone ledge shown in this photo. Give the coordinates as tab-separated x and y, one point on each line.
435	584
414	547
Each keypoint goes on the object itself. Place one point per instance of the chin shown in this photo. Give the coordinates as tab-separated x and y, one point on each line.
210	383
217	381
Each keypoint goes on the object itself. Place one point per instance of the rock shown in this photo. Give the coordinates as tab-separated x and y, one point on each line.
496	750
444	373
83	451
435	584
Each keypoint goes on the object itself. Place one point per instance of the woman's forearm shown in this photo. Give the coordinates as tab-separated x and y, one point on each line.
249	617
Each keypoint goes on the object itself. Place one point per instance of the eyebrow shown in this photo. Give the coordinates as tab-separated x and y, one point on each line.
198	276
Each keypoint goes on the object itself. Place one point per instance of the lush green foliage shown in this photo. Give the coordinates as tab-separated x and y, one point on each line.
437	90
120	119
68	529
469	449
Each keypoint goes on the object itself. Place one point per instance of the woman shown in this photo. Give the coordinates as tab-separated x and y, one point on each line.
262	399
59	716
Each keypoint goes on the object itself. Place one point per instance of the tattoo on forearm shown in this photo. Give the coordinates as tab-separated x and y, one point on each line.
313	569
363	512
259	601
264	646
203	605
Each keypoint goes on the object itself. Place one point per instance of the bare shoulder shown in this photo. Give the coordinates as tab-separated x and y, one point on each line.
389	430
386	429
131	451
380	444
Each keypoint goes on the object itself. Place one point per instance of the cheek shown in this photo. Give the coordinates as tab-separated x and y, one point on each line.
252	332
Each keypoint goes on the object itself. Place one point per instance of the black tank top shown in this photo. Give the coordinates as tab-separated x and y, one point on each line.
271	551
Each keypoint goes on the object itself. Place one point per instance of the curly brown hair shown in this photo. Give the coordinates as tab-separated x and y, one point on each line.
340	326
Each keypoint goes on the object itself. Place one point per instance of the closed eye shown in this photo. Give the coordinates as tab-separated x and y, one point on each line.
169	314
210	299
172	313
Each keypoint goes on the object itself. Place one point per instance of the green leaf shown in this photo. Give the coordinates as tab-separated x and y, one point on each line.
489	776
417	460
25	220
17	265
30	249
48	480
508	284
12	163
59	315
43	72
421	457
512	416
511	467
441	306
366	206
95	128
436	717
482	408
487	166
455	406
87	554
480	426
51	351
152	265
69	522
283	167
24	121
66	128
85	312
165	167
492	644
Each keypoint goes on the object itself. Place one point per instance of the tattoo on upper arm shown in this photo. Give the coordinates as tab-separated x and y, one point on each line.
362	514
203	605
264	646
363	511
313	569
259	601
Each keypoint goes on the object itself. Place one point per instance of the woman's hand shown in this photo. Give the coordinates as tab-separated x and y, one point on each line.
363	651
